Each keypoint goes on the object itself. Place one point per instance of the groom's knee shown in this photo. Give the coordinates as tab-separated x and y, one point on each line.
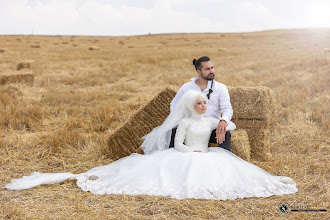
226	144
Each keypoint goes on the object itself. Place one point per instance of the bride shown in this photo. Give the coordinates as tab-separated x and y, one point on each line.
189	170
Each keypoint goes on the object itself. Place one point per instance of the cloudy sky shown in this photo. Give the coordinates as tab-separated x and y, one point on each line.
135	17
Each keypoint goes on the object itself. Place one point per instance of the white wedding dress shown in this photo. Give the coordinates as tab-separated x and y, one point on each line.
177	172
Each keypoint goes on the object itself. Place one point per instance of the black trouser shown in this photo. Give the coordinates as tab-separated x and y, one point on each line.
225	145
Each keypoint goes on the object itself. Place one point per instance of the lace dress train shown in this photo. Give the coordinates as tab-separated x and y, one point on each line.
217	174
178	173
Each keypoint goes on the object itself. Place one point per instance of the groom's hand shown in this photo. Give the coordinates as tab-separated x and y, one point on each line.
221	131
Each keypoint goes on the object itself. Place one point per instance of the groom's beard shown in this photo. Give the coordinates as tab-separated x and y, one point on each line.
208	77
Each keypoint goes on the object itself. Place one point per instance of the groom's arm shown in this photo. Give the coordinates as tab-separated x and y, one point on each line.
226	112
226	109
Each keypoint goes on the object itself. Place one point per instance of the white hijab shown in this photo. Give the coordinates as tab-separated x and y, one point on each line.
160	137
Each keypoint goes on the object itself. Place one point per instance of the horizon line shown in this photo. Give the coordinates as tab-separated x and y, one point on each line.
169	33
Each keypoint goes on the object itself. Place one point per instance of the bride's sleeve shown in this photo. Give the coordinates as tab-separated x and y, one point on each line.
180	137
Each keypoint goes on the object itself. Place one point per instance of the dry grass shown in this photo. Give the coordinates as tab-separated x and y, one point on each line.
61	123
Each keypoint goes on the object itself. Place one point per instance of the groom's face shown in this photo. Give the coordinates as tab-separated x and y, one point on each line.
207	70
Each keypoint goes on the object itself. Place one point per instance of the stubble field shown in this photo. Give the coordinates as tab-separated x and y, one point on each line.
85	87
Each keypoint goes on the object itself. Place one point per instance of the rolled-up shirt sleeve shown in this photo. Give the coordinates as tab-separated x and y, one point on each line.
226	109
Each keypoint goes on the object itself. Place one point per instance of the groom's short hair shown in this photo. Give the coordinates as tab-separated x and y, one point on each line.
198	63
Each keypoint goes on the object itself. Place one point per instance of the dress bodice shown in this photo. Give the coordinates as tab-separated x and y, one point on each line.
194	133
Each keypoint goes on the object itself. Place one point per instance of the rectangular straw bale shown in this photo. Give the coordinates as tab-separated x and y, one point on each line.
127	138
258	132
240	145
251	102
26	78
26	64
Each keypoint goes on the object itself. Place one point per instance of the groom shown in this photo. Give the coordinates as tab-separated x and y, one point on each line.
218	107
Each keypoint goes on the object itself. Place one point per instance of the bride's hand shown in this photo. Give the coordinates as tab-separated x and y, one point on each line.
197	151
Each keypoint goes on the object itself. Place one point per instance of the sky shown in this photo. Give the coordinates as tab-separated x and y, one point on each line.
140	17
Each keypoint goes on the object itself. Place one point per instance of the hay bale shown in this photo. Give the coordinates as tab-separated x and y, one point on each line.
251	102
127	139
26	78
2	50
253	109
240	145
24	64
35	46
258	132
93	48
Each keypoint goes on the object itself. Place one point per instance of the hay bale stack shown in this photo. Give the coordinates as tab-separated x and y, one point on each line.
26	78
24	64
127	139
253	109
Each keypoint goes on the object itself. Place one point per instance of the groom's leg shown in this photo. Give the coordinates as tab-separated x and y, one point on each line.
226	144
172	137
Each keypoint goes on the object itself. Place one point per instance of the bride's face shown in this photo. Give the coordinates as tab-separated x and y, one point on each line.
200	105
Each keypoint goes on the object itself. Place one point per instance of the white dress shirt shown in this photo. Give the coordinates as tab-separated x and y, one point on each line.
218	106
